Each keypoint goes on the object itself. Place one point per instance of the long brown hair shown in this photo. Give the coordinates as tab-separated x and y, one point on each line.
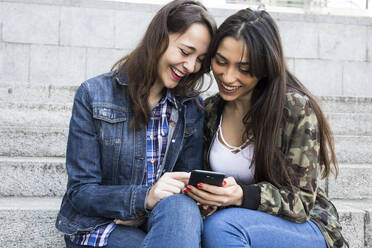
141	65
261	37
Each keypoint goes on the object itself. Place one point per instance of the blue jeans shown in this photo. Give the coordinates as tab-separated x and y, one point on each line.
174	222
239	227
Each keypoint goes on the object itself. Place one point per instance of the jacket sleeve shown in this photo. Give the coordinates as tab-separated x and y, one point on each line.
302	157
85	190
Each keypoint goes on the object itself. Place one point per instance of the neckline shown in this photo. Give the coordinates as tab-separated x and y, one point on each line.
232	148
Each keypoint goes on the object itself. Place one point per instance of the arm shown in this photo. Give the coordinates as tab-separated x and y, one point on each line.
302	158
85	190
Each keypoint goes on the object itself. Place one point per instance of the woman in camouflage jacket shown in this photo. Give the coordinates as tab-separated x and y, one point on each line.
275	144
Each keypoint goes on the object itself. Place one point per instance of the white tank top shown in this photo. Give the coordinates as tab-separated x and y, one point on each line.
237	165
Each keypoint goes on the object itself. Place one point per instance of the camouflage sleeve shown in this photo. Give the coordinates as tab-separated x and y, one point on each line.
301	139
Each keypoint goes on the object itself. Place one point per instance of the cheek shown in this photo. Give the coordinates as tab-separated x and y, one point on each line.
249	81
216	69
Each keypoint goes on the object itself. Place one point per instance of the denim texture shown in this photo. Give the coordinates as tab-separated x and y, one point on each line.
239	227
174	222
106	159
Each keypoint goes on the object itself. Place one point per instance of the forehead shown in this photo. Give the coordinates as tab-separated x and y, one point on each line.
196	36
233	49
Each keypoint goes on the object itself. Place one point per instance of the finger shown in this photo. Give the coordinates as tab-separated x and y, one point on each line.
178	175
169	188
230	181
214	209
173	182
201	200
216	190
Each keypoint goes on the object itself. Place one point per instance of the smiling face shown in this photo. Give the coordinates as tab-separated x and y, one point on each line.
184	55
231	70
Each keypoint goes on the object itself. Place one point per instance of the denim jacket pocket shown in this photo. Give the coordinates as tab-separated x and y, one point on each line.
110	121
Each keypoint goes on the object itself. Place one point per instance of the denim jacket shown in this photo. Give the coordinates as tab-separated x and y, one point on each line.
106	159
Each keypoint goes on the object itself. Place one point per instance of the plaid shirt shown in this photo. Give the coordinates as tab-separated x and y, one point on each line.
157	137
156	145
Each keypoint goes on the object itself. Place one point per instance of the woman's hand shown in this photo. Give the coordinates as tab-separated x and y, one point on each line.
135	223
206	210
227	195
168	184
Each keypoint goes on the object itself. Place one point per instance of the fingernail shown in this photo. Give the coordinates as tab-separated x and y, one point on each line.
224	182
200	185
185	191
188	187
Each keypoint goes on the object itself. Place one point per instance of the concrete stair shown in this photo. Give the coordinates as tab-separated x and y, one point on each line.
34	126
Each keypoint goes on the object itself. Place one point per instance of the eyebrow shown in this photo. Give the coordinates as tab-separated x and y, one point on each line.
240	63
189	47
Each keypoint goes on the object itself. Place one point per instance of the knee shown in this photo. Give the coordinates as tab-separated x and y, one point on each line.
221	227
179	206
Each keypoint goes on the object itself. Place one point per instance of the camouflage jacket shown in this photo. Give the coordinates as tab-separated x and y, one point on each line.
299	142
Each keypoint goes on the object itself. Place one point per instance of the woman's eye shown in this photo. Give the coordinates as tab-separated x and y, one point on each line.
200	60
184	52
245	71
220	62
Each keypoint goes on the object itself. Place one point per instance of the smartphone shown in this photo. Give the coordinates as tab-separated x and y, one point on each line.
208	177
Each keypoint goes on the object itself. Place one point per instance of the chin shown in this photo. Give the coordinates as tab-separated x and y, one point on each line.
170	85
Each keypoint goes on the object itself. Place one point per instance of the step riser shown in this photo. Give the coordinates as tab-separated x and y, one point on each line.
350	124
353	182
41	177
65	94
59	116
42	142
29	228
346	104
16	231
37	93
353	227
48	142
33	178
354	149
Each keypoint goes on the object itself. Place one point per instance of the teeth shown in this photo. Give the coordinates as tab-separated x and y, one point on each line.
229	87
177	72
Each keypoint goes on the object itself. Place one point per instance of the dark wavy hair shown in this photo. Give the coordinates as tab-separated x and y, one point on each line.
260	35
141	65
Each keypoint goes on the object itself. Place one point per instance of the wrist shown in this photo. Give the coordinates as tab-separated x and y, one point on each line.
239	201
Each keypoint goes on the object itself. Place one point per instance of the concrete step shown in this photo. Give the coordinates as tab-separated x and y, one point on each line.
354	149
37	93
35	114
32	176
358	124
46	93
353	182
29	222
344	104
24	114
47	177
355	218
33	142
16	215
51	142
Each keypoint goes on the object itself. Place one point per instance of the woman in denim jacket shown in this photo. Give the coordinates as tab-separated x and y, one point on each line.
134	134
267	133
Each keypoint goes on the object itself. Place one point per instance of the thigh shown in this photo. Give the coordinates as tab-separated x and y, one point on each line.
240	227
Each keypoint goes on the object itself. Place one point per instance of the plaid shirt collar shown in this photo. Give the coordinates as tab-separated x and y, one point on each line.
170	98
